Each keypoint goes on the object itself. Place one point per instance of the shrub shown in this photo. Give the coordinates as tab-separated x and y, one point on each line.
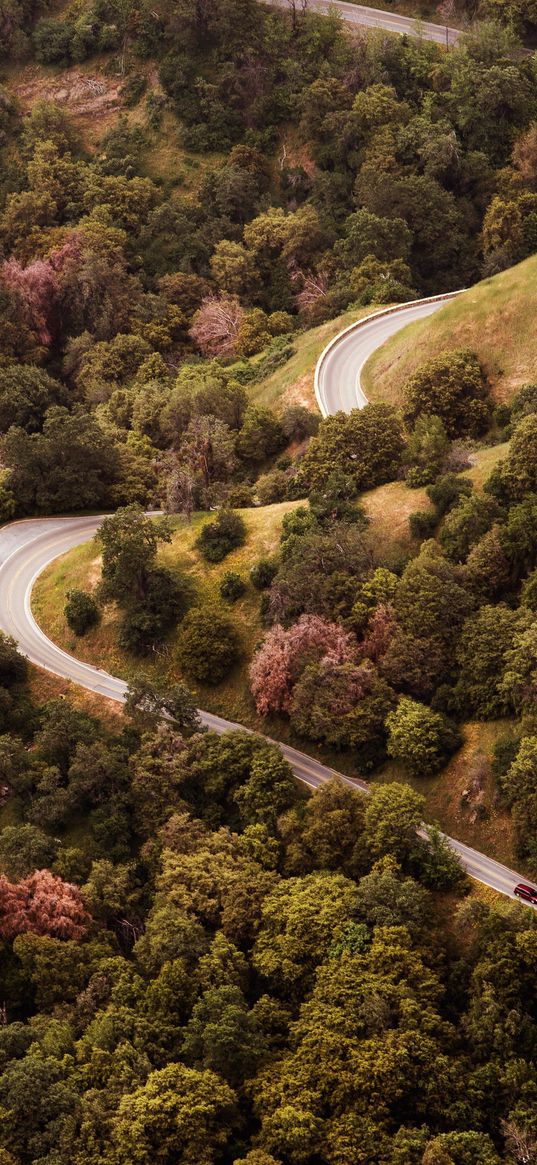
219	538
263	572
422	523
81	611
272	487
299	423
452	386
209	645
426	450
232	586
448	491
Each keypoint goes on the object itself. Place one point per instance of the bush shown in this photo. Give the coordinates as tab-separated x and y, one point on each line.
448	491
272	487
299	423
232	586
452	386
209	645
422	523
219	538
81	611
263	572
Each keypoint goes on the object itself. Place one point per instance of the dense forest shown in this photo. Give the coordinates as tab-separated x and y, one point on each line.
201	964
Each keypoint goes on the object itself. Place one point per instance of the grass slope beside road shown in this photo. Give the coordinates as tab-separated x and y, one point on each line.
292	384
496	319
476	820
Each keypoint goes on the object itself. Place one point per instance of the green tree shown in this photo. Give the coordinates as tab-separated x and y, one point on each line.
180	1113
72	463
218	538
260	436
482	654
451	386
81	611
465	525
426	450
25	848
393	814
152	701
130	541
422	740
209	645
299	921
366	446
222	1034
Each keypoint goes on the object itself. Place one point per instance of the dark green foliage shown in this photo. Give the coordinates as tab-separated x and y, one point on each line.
217	539
70	465
263	572
81	611
320	569
151	702
148	620
447	492
465	525
365	446
232	586
426	450
524	403
260	436
422	524
485	640
209	645
25	395
452	386
25	848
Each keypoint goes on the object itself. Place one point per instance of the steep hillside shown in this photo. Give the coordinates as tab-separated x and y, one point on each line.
496	319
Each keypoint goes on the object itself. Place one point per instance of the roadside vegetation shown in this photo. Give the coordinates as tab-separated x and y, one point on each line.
202	962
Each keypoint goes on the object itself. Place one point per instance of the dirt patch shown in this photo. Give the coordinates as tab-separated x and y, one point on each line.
94	572
83	95
301	392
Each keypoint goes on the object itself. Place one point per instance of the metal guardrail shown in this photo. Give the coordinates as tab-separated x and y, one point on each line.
357	325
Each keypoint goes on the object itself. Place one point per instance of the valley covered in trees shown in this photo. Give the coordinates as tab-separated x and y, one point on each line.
201	964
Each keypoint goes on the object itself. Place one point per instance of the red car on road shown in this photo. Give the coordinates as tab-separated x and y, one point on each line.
528	893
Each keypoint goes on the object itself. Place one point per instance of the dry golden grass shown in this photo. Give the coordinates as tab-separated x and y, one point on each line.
496	319
389	508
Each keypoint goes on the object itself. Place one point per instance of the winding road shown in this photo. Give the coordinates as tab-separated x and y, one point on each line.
364	17
27	547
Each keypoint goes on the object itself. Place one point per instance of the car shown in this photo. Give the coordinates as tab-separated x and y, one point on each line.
528	893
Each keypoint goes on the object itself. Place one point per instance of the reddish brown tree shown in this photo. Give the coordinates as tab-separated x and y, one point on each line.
281	659
42	904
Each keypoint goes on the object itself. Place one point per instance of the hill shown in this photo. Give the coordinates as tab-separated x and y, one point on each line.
496	319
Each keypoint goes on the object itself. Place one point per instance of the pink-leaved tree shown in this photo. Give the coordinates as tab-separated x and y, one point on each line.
284	654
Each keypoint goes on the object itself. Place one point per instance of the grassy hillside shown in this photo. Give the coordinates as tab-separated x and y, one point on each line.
475	819
292	384
496	319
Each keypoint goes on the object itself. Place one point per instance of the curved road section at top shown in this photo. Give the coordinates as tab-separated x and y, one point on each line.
365	17
27	547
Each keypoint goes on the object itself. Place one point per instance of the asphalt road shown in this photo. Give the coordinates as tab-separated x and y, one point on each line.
377	18
26	548
338	385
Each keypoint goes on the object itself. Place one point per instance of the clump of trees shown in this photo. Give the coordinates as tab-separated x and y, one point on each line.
453	388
